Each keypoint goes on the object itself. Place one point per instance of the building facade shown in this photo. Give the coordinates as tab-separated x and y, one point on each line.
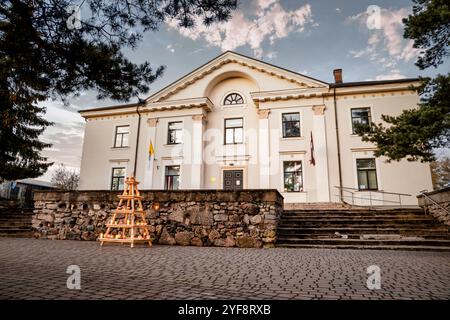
240	123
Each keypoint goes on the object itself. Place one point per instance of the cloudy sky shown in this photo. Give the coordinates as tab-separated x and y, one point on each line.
310	37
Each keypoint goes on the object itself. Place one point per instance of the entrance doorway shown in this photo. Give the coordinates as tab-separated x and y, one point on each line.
233	179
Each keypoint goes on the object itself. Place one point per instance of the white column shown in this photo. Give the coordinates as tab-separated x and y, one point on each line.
320	154
197	151
150	165
264	150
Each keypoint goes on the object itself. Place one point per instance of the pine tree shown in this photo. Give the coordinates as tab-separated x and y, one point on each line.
415	133
47	52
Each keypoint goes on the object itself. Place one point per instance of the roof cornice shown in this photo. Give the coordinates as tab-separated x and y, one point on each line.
233	57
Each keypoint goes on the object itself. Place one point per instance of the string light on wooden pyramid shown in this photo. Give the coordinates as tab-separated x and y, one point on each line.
128	223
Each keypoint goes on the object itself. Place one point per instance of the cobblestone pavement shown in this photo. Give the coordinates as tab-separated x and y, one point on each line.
36	269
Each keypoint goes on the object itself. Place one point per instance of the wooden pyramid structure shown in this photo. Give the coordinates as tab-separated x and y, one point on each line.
128	223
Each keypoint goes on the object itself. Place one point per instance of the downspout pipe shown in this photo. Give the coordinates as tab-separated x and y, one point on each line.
341	198
137	137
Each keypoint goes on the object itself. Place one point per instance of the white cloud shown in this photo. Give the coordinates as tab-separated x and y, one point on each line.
338	10
269	22
271	54
386	45
170	48
66	135
392	75
266	3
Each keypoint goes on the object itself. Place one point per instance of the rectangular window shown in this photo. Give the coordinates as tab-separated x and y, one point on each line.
360	116
234	131
172	178
118	178
291	124
121	139
367	174
293	181
175	131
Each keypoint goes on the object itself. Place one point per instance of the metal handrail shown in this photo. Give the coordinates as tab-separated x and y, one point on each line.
380	191
434	202
371	199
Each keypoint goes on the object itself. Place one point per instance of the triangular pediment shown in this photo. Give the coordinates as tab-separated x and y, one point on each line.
292	79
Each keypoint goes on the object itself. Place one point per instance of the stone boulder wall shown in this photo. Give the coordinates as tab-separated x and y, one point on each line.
245	218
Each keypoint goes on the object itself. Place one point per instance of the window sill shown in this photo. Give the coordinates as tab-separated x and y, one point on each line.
119	148
292	138
172	144
294	192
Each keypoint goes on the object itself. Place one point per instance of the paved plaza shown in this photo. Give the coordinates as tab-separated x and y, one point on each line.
36	269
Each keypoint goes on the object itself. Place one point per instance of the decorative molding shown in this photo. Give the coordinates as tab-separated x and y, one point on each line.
119	160
198	117
185	82
363	149
202	102
319	110
222	159
292	152
152	122
179	157
264	114
288	94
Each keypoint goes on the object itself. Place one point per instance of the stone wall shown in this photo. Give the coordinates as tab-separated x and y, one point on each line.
442	197
246	218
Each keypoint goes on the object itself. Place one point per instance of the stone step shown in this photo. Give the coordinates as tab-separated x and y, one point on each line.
16	216
358	212
425	235
358	209
17	220
361	242
357	217
363	225
16	211
14	230
17	234
316	205
358	221
371	230
367	247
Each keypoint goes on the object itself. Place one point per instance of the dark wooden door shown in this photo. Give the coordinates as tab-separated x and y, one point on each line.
233	179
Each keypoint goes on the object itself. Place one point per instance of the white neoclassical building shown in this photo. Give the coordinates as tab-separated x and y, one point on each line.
236	122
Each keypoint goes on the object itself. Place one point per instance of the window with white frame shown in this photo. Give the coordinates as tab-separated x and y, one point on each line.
360	116
292	174
172	178
121	136
175	132
117	178
234	130
367	174
291	124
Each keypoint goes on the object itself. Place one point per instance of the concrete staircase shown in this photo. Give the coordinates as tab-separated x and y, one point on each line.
362	228
14	221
